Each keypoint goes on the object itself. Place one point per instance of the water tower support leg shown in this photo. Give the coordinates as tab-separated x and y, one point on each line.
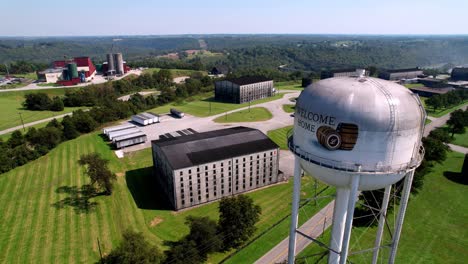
349	218
380	229
401	215
295	210
339	216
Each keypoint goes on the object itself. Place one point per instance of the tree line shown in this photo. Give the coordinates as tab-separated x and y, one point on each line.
452	98
105	107
237	218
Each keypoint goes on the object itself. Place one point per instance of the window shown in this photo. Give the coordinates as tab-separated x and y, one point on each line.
214	193
191	200
243	159
181	173
183	202
181	179
206	173
199	198
222	164
181	184
214	165
189	171
206	167
222	169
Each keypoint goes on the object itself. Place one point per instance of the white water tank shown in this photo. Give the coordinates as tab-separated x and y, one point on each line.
345	126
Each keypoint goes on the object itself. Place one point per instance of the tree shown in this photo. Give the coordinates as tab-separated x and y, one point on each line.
56	104
204	234
183	252
237	219
134	249
83	121
457	122
435	150
96	169
440	134
69	129
37	101
16	139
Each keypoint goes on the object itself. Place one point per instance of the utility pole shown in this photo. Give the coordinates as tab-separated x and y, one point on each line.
6	67
21	117
100	253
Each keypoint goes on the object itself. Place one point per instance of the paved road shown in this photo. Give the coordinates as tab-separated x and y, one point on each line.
458	148
314	227
201	124
127	97
439	122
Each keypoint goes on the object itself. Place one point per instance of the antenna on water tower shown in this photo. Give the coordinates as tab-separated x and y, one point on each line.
357	134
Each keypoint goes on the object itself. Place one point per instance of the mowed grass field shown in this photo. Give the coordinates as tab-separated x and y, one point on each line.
11	105
290	85
435	227
289	108
200	105
176	72
47	219
461	139
255	114
279	136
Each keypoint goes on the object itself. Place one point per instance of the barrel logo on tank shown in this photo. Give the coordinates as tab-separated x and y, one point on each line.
344	137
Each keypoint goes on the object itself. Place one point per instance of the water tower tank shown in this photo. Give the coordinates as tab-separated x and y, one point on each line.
356	133
358	125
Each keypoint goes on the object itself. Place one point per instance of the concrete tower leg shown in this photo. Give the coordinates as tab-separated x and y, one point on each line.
295	210
401	215
383	213
339	217
349	218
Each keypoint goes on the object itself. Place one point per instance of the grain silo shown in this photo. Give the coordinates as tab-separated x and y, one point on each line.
119	66
110	64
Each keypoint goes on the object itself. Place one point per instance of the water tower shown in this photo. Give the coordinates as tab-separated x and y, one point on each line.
357	134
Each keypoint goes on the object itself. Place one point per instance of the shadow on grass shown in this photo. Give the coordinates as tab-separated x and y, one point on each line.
79	198
144	189
456	177
108	143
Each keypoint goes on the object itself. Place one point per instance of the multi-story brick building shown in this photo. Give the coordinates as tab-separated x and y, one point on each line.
243	89
204	167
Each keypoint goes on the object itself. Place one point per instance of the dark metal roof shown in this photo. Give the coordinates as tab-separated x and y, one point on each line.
195	149
433	90
248	80
403	70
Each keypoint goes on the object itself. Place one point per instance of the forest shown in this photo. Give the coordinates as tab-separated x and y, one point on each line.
306	53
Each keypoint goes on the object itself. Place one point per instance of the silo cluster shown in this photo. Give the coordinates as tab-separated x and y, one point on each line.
115	64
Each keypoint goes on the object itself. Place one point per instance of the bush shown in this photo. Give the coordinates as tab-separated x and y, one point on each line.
37	102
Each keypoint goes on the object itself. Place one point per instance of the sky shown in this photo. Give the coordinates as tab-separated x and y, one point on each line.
156	17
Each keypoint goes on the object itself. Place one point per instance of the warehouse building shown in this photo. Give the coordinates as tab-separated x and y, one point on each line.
399	74
343	73
69	72
459	74
243	89
203	167
428	92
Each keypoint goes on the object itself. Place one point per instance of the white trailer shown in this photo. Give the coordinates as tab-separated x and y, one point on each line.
107	130
140	120
118	133
129	139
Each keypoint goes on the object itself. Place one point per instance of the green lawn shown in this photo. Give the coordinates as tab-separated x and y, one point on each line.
435	228
6	136
200	105
427	121
45	218
10	106
413	85
290	85
279	136
175	72
461	139
255	114
289	108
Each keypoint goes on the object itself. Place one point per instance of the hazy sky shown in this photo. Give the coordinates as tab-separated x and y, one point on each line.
138	17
